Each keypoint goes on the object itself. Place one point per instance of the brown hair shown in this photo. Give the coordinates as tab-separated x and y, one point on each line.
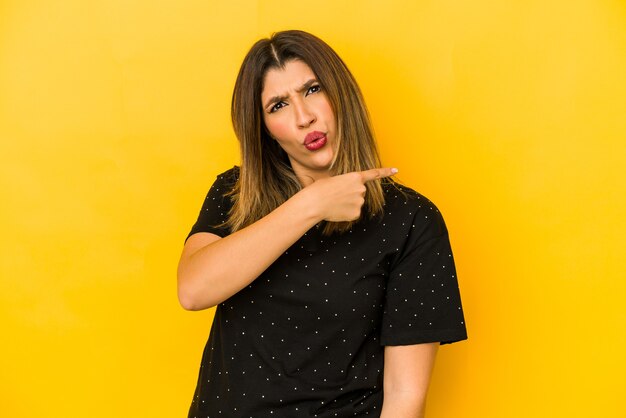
266	179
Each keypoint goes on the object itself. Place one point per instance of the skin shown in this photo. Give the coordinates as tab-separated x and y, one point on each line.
406	377
303	108
211	268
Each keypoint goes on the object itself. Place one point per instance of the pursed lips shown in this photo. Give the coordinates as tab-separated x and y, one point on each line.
315	140
313	136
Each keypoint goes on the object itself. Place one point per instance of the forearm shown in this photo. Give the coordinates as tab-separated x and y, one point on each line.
219	270
216	270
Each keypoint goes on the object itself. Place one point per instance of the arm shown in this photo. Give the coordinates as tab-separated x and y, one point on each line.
405	380
212	269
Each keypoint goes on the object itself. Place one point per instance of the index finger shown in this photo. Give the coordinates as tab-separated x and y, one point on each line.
377	173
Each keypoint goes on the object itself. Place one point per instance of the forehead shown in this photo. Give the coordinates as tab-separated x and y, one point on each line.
282	81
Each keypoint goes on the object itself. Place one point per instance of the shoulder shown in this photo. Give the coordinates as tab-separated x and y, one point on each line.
404	204
227	180
399	195
229	176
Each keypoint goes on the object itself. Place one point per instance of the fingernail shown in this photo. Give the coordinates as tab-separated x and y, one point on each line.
394	170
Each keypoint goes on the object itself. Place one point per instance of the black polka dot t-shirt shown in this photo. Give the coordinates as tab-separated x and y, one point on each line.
306	338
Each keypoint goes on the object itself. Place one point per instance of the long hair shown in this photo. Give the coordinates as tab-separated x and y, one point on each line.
266	179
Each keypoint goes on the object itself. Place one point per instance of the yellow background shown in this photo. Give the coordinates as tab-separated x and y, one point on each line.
114	121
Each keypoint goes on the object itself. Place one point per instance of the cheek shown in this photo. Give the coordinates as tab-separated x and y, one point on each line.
277	128
328	112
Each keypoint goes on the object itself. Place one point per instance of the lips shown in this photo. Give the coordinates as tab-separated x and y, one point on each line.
315	140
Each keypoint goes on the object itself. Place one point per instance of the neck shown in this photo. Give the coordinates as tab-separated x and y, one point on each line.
307	178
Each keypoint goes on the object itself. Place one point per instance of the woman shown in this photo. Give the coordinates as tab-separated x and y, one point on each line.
322	268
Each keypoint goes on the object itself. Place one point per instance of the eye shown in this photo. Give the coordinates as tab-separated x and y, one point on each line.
277	106
314	89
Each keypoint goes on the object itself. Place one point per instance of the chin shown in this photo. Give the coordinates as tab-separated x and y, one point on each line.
322	165
324	161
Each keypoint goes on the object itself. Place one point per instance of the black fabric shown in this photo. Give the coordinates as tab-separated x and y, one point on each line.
306	338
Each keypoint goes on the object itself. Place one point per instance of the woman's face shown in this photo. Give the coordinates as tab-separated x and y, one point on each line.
299	117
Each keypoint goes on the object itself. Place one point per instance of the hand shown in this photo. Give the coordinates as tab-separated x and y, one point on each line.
340	198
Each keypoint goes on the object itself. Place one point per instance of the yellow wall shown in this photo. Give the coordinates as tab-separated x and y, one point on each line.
114	121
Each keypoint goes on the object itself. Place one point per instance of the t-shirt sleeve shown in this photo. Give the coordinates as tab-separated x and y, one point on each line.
217	204
423	302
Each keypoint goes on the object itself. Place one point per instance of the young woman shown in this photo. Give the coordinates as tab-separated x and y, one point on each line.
334	284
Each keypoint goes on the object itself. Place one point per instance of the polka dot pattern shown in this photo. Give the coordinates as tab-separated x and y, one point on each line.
306	338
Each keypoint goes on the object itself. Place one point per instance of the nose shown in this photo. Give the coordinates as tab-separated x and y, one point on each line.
305	117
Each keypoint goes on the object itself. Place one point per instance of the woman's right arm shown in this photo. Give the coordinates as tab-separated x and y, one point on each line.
212	269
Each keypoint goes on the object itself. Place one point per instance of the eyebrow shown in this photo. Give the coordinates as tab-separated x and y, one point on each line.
277	99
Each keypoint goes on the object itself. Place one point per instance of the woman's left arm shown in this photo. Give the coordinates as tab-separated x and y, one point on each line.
405	379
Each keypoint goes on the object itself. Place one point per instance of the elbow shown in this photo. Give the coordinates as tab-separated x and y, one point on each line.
185	298
195	292
187	302
185	294
192	298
